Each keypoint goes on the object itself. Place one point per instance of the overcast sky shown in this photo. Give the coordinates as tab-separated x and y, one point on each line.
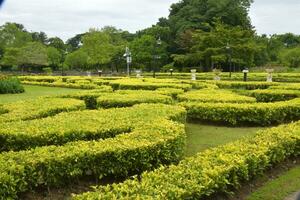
65	18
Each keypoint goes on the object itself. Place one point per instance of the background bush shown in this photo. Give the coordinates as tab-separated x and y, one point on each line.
10	85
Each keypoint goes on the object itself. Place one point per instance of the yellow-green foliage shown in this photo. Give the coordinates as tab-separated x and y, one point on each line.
238	76
170	92
202	85
130	97
153	137
3	110
211	95
271	95
89	96
218	170
243	85
42	107
64	84
254	113
48	79
143	84
290	86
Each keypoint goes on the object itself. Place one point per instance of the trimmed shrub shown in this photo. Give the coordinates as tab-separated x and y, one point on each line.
10	85
143	84
90	96
272	95
210	95
218	170
250	114
153	140
244	85
42	107
291	86
170	92
129	98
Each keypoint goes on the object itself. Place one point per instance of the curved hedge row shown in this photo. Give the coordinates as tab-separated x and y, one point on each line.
142	84
210	95
243	85
271	95
291	86
237	76
130	97
64	84
153	140
42	107
90	96
218	170
10	85
255	113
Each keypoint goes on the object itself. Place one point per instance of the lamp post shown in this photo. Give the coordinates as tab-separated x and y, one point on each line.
127	55
228	48
156	57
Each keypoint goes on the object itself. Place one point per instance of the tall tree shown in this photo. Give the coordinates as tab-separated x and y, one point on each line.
55	57
221	46
76	60
99	48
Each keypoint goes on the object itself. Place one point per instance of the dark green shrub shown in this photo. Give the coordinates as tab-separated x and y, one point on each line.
10	85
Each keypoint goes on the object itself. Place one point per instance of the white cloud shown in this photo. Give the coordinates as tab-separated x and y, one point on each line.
65	18
276	16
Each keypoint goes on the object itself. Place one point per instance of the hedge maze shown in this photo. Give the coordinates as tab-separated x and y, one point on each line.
134	129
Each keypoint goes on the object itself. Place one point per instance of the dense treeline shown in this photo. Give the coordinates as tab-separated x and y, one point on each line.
202	34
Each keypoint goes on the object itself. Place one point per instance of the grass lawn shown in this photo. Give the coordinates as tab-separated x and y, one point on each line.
279	188
32	92
201	137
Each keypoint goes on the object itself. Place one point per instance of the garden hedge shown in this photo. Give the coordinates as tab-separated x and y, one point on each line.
143	84
89	96
211	95
156	138
10	85
290	86
272	95
236	76
247	114
173	92
218	170
39	108
243	85
65	85
131	97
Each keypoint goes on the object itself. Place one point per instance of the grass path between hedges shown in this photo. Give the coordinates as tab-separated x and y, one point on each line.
279	188
32	92
201	137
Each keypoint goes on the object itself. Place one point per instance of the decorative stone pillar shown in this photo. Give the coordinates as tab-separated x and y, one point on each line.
194	74
138	73
270	75
217	73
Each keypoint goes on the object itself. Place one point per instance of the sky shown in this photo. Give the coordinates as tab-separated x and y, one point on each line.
66	18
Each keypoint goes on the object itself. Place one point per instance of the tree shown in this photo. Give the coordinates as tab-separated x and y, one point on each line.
76	60
54	57
11	57
220	47
32	54
99	48
39	37
57	43
13	35
74	43
144	50
290	57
